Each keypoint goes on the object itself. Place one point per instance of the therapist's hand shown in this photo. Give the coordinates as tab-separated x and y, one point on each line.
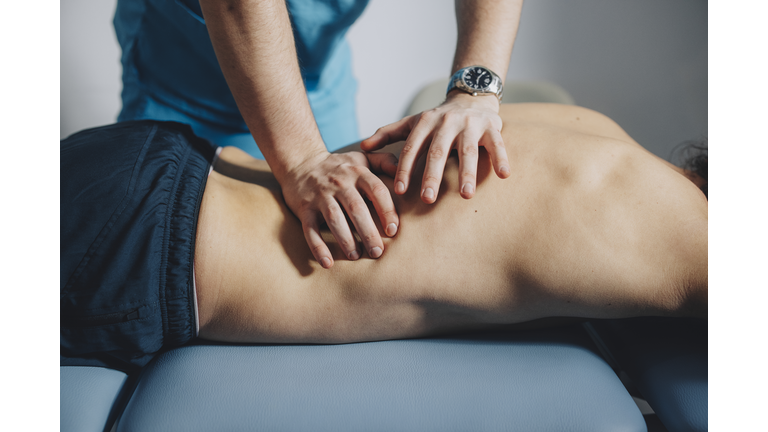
463	122
325	186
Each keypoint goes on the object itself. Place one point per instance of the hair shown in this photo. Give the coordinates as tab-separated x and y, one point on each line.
693	154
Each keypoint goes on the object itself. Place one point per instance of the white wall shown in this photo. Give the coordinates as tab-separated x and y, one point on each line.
393	39
643	63
90	65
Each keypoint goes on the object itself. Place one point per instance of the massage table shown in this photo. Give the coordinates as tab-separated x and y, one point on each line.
603	375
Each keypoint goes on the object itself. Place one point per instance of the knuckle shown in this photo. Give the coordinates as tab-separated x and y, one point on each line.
334	215
408	148
359	170
389	214
325	190
368	238
469	150
317	249
430	178
347	244
468	176
307	216
357	206
452	117
336	181
379	190
429	115
436	153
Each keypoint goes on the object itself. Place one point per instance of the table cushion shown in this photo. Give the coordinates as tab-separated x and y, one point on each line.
87	395
541	380
666	359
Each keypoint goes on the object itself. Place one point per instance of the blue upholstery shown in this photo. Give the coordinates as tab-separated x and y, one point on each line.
543	380
666	359
87	395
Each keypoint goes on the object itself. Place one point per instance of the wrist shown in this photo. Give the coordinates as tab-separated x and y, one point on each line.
290	164
476	80
484	101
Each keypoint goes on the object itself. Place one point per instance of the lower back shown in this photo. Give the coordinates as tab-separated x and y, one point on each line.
571	232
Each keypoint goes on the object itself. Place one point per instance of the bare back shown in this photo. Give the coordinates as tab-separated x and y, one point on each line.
589	225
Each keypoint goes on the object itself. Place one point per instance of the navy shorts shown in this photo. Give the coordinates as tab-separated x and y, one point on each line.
130	196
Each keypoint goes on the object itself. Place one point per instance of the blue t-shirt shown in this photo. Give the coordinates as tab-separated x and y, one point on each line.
170	71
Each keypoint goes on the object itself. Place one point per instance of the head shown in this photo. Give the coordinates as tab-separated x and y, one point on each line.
693	154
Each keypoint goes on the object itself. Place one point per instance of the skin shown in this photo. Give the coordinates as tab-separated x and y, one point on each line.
253	39
486	34
588	225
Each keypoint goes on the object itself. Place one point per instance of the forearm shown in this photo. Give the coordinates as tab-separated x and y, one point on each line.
486	33
254	44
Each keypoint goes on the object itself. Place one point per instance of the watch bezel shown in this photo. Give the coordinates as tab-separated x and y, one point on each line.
458	81
486	89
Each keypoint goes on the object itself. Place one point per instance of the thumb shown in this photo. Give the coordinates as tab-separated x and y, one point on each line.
383	163
391	133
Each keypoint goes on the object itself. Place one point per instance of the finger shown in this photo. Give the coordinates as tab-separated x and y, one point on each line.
379	195
315	241
414	147
361	218
435	164
337	223
494	144
388	134
468	156
383	163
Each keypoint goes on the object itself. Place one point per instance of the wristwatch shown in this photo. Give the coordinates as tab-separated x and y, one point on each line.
476	80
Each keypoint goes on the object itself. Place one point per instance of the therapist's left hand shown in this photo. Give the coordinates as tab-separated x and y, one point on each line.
463	122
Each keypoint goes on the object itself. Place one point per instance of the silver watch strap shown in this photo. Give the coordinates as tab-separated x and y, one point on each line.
457	82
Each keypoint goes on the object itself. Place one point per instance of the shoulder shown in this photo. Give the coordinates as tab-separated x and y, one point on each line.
571	117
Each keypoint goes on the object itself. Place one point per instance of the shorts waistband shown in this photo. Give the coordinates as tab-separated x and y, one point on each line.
177	290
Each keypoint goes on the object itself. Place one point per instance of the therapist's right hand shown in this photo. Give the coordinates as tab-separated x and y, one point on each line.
325	186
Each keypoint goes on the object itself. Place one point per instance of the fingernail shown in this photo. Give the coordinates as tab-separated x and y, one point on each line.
400	187
428	193
354	255
467	189
391	229
375	252
325	262
504	170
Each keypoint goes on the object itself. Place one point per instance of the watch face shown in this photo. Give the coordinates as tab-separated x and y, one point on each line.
477	78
